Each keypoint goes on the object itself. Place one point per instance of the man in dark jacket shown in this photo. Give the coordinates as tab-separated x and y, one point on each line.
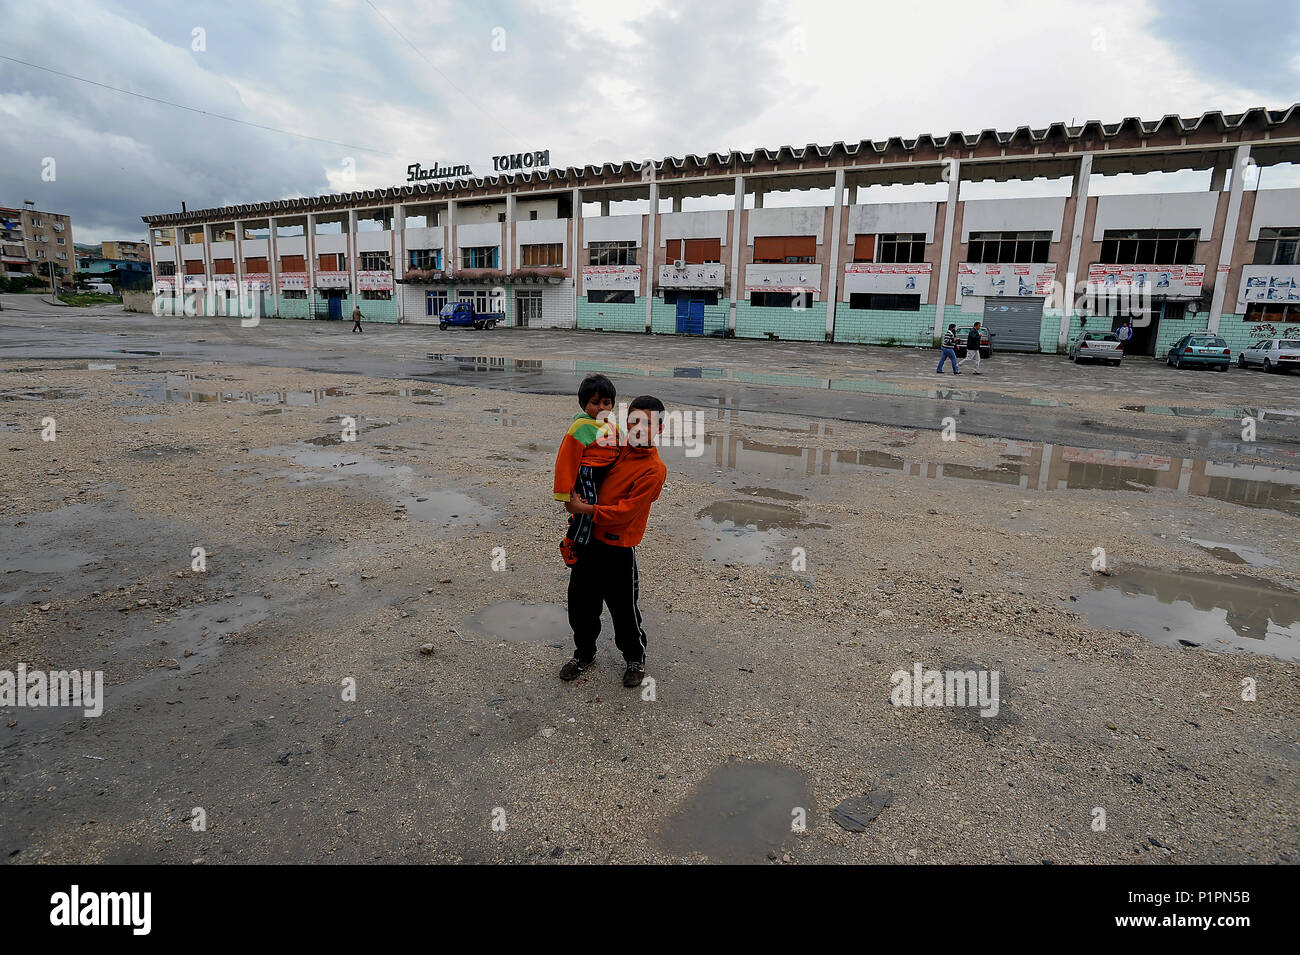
948	350
973	347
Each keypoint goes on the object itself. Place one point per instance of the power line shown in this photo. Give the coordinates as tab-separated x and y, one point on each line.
192	109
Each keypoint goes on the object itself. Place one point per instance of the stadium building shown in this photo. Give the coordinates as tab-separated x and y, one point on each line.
699	245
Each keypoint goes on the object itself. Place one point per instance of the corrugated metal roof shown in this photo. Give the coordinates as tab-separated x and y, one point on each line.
1206	129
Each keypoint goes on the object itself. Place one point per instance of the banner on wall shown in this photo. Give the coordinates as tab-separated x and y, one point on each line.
1125	459
333	279
195	281
1153	279
375	280
293	281
911	279
1270	283
257	281
164	283
1002	280
620	277
225	283
692	276
783	278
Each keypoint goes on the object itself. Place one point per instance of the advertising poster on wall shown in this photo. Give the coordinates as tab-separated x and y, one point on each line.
293	281
1152	279
375	280
1002	280
1270	283
913	279
621	277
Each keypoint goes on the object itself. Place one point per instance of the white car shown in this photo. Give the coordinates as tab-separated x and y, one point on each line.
1271	354
1096	346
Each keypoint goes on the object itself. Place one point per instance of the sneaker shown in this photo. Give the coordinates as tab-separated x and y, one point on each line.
977	372
956	373
569	551
634	674
574	667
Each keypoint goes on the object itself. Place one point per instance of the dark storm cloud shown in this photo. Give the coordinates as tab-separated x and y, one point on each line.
1246	43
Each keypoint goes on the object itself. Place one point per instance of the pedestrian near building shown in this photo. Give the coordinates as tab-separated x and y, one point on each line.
948	350
972	348
356	318
1125	334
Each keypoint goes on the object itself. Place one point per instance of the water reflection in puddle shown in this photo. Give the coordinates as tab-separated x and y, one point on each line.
517	621
180	389
747	532
1218	612
740	814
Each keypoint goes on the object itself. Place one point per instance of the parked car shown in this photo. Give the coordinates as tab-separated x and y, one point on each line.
986	343
462	314
1095	346
1271	354
1200	348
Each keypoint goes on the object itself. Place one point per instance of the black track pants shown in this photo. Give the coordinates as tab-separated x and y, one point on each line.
605	574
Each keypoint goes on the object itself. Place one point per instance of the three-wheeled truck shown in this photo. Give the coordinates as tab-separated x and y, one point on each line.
463	314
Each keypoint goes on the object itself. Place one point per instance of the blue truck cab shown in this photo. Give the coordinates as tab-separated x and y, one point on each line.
463	314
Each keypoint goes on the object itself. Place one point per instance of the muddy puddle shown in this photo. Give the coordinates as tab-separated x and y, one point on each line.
181	389
774	493
1030	466
517	621
1222	612
495	363
40	394
1285	416
741	814
749	531
442	506
1233	553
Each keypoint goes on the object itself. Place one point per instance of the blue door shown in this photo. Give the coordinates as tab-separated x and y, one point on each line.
336	307
690	317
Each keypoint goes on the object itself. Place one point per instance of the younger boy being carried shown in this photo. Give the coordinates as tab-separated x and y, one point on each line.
586	451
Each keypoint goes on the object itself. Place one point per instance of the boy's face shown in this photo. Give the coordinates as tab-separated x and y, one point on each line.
598	407
642	427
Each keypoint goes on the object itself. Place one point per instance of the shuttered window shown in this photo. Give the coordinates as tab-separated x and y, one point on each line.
794	249
293	263
697	251
223	266
864	248
542	255
194	267
333	262
257	264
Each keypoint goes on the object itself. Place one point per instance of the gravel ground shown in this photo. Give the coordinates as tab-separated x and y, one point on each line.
331	561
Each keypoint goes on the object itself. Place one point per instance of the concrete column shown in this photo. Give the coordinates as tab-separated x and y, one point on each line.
1239	162
239	266
651	252
153	262
758	198
397	262
351	246
309	244
736	239
507	238
834	284
945	261
178	290
676	204
273	261
604	207
575	253
208	296
449	243
1081	177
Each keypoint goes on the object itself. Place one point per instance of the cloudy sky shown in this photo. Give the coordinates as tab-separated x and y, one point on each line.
354	91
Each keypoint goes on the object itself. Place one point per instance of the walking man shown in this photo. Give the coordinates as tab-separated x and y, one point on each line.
1125	334
973	348
948	350
356	318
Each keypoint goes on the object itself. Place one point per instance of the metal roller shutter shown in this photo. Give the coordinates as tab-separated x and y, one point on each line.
1014	324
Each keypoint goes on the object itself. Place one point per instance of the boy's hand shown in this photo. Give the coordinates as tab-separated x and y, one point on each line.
576	505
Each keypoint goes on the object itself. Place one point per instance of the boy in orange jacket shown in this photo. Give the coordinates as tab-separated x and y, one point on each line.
606	572
587	449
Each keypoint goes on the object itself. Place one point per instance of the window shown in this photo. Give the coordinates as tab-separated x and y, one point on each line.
501	217
425	258
293	293
256	264
696	251
885	302
166	268
371	295
62	241
333	262
1278	312
1278	247
785	249
223	266
58	227
901	247
194	267
1009	247
479	257
36	220
1149	246
375	261
612	296
672	297
293	263
864	248
781	299
612	253
481	299
63	255
434	300
548	255
532	214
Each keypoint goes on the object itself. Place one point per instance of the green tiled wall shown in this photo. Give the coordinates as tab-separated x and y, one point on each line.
612	317
870	326
788	324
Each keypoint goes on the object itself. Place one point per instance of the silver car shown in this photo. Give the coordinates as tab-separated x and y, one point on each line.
1095	346
1271	354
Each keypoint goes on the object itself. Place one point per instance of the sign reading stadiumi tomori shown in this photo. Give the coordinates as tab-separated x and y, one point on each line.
417	173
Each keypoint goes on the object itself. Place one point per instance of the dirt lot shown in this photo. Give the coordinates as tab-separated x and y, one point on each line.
789	570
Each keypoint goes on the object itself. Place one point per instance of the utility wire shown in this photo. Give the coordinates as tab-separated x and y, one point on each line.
192	109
